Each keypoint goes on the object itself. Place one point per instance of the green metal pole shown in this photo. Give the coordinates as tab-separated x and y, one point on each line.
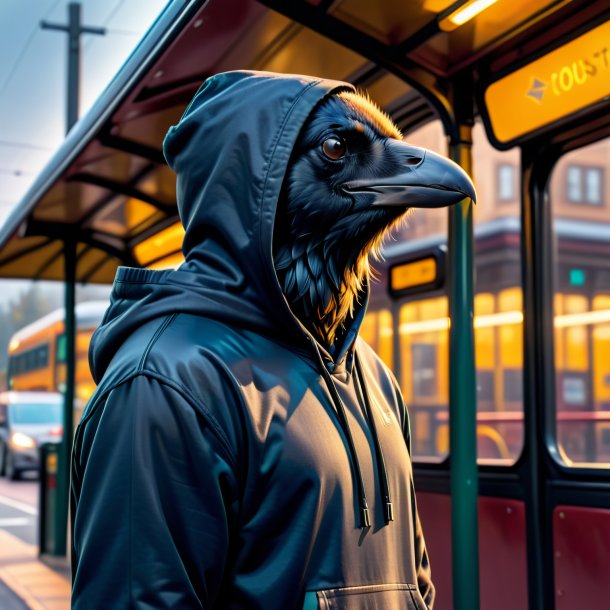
462	394
65	450
74	29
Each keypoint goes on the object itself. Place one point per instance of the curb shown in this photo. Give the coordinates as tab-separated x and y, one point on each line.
40	587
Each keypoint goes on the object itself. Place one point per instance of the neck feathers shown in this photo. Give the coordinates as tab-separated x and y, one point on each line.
322	284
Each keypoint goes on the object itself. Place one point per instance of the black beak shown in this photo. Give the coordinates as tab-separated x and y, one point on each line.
428	180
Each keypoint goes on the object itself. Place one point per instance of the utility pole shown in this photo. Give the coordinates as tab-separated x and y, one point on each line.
74	29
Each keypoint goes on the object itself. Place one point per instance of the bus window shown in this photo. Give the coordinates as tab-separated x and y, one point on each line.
421	365
424	374
580	196
422	325
377	331
37	354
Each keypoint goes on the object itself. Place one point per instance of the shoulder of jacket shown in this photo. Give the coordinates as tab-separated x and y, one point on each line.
183	396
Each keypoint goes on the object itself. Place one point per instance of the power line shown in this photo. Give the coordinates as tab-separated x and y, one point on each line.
110	15
25	145
16	172
21	55
123	32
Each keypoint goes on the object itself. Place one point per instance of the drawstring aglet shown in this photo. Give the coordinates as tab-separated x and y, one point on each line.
365	520
389	512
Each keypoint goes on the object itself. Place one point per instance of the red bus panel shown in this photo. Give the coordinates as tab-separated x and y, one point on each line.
581	540
502	550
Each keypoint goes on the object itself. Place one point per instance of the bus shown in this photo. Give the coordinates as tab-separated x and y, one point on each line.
36	354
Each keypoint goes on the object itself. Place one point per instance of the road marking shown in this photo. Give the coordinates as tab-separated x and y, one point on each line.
22	506
15	522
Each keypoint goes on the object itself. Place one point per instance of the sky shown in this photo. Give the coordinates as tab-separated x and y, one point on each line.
33	66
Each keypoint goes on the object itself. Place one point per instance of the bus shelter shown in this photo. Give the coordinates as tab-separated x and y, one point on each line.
107	197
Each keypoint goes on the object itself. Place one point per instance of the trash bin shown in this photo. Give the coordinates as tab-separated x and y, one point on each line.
47	529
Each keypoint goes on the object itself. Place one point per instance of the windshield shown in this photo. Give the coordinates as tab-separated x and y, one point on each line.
30	413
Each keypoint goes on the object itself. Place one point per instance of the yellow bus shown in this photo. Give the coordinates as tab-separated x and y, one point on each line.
37	352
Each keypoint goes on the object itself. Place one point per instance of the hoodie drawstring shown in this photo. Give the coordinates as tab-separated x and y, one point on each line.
364	513
388	511
365	520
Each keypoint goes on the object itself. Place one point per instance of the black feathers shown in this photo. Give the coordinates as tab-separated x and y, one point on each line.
323	235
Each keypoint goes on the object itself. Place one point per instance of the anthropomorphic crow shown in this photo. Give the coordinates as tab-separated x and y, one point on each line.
350	179
244	448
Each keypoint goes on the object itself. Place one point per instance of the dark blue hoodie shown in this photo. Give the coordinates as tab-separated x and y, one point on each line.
210	467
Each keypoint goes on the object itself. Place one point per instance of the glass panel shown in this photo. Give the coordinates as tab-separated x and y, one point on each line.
582	305
422	366
150	128
387	89
69	202
161	184
424	354
108	163
125	216
498	322
165	242
378	332
390	22
311	53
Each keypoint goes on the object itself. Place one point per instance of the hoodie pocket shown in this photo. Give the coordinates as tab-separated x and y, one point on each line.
371	597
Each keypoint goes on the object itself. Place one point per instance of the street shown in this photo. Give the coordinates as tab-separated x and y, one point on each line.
19	508
19	517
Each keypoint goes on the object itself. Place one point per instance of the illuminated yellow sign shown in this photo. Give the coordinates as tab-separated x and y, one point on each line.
416	273
558	84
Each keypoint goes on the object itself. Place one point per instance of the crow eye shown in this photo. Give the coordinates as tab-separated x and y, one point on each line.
333	148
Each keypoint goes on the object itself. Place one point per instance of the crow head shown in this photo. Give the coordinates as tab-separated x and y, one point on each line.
351	178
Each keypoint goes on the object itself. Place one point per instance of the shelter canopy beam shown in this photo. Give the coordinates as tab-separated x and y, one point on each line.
123	189
115	246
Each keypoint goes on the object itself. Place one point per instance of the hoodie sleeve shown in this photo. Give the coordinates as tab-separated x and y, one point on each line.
154	496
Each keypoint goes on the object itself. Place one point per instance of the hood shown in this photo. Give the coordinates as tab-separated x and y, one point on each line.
230	151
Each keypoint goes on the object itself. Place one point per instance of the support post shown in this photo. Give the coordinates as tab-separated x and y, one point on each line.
60	519
537	162
462	392
74	29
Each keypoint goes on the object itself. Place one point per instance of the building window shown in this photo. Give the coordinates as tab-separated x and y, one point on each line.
506	182
584	184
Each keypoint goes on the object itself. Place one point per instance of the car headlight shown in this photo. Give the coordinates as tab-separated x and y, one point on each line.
22	441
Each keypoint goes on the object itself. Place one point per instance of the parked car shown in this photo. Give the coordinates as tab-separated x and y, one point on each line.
27	420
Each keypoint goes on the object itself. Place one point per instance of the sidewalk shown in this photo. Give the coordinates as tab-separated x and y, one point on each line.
40	587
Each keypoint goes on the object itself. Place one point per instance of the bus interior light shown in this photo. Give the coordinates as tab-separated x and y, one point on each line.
578	319
463	14
498	319
504	319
